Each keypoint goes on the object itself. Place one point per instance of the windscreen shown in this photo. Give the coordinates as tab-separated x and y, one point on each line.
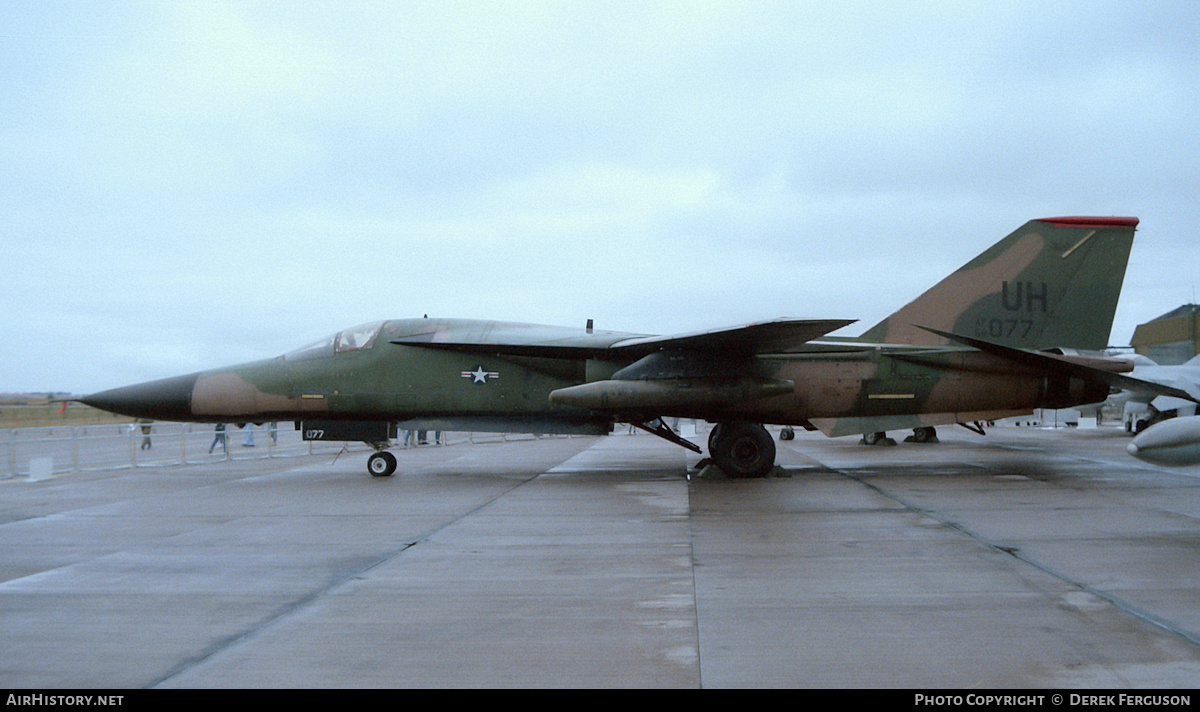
355	339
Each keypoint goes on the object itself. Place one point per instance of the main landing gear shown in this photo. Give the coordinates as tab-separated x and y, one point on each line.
742	449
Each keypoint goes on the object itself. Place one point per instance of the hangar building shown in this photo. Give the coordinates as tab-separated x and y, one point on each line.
1170	339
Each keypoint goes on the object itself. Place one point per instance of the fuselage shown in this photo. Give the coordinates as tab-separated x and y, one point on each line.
361	374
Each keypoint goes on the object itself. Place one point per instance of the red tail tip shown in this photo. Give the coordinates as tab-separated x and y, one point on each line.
1085	221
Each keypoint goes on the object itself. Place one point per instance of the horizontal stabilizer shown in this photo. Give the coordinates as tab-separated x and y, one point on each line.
1068	366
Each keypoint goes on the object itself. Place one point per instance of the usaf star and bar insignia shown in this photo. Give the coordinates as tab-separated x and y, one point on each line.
480	375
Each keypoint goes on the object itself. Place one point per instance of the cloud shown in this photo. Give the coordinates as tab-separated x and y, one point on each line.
198	183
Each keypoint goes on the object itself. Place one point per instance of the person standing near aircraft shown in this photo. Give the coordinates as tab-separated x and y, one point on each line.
219	437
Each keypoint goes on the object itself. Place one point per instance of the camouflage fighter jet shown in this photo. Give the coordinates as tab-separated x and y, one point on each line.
999	337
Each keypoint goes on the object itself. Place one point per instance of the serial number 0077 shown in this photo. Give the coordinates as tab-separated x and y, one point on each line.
1004	328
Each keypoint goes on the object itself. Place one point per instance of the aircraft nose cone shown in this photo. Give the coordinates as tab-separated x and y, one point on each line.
166	399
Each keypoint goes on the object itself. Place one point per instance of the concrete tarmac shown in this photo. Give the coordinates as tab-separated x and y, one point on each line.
1026	558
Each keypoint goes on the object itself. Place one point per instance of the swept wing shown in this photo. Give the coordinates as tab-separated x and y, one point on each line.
776	336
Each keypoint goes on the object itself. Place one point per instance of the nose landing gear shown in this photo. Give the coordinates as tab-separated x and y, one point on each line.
381	464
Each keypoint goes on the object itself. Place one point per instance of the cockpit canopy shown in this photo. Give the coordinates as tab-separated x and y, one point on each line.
357	338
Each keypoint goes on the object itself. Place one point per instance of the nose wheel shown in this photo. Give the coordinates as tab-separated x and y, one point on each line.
381	464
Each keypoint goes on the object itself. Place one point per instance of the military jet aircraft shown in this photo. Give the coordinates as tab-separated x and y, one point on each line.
1001	336
1174	442
1144	408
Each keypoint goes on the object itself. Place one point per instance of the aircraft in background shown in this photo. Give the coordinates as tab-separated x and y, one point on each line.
1166	428
1174	442
1144	407
1001	336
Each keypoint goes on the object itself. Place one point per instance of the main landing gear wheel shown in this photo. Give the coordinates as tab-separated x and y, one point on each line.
381	464
742	449
712	437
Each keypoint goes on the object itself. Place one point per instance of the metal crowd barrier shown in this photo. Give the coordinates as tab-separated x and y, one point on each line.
43	451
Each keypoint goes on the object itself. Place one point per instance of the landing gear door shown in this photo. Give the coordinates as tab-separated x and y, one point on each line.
366	431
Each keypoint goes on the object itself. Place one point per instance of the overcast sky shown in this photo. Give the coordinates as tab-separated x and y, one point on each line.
189	185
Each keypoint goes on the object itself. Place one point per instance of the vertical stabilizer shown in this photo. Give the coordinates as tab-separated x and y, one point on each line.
1053	282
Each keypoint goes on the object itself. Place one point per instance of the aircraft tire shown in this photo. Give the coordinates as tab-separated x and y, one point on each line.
787	434
926	434
712	437
381	464
743	450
